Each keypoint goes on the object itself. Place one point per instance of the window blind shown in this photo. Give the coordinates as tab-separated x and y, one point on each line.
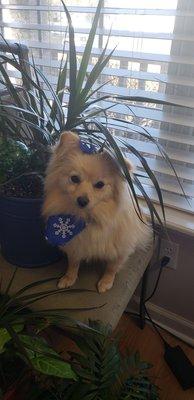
153	58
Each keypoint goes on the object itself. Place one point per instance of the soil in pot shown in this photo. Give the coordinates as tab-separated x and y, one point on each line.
26	186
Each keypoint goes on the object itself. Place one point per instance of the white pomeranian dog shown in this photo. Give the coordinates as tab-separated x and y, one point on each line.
92	188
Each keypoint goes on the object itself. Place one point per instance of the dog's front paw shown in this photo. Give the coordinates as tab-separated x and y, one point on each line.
105	284
66	281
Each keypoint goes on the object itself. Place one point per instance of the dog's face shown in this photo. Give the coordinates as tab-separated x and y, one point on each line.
88	183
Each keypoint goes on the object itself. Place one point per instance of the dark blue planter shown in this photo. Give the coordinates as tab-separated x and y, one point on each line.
22	233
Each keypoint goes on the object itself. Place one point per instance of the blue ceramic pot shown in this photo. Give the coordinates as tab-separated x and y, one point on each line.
22	233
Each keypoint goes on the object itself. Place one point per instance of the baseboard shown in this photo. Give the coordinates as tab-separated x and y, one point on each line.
175	324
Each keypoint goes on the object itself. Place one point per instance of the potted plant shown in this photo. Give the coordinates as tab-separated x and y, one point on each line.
22	166
31	368
96	370
24	349
102	371
33	123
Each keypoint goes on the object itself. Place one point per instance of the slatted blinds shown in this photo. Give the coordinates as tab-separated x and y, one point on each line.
154	57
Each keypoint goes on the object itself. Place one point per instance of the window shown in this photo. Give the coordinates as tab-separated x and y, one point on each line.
154	57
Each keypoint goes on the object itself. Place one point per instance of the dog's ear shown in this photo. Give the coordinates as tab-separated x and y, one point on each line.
115	164
68	140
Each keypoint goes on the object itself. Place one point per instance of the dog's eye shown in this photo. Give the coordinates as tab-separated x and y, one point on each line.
75	179
99	185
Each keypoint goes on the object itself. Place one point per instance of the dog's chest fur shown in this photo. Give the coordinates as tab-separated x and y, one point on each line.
115	238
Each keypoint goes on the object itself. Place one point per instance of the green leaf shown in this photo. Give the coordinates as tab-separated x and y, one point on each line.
143	99
45	359
72	62
41	99
44	138
10	87
60	91
37	344
11	301
150	204
95	73
55	97
17	342
36	85
33	297
82	360
99	363
5	336
87	51
34	285
49	366
97	90
10	282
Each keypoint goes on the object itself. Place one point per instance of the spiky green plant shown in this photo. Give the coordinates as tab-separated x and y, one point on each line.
104	374
34	119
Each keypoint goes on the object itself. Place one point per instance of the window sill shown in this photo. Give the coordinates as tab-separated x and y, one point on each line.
178	220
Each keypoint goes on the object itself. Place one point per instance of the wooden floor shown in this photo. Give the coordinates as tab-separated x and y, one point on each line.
149	345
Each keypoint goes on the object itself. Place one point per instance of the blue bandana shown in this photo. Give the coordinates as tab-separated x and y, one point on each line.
62	228
87	147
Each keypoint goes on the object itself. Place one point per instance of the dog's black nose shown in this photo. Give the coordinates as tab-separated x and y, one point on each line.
82	201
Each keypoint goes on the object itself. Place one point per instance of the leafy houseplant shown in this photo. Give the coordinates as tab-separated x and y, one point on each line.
31	369
35	119
102	372
22	344
96	369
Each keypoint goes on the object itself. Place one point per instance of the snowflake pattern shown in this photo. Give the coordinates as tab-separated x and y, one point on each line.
63	228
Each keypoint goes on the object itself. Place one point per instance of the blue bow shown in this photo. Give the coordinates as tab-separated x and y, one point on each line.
87	147
62	228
